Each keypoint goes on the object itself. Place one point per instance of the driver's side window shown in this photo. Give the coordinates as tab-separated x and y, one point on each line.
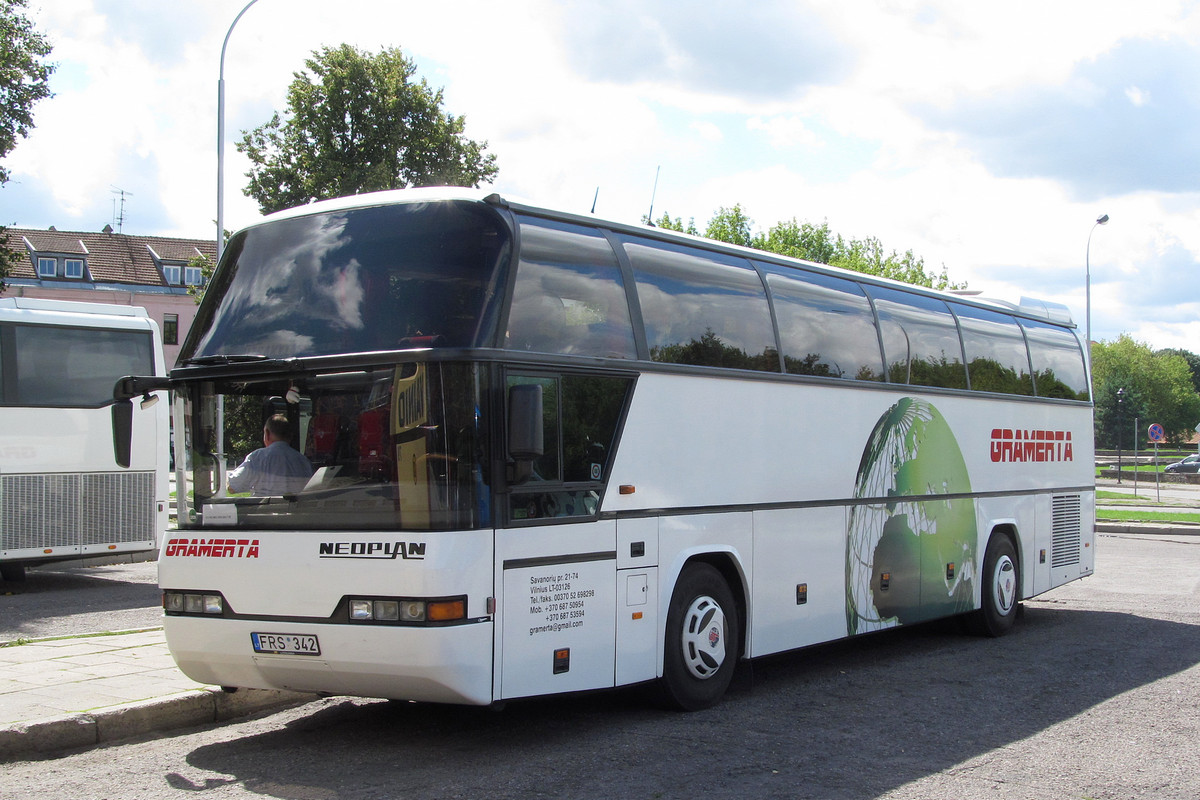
580	418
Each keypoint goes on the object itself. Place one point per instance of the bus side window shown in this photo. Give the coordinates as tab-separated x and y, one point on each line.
569	296
1058	368
826	326
580	417
702	308
997	358
920	339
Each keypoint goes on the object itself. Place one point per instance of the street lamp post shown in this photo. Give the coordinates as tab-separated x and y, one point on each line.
1087	264
221	136
1120	424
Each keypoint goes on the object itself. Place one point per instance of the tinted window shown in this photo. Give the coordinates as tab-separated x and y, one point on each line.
920	339
997	358
825	326
1058	367
72	366
580	416
569	295
359	280
704	309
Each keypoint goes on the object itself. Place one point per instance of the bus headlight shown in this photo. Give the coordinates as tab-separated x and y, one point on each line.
193	603
407	611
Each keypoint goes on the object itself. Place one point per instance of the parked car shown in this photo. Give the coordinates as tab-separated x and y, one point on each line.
1189	464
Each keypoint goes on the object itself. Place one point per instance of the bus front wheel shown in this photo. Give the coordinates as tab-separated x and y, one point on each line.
1001	589
702	640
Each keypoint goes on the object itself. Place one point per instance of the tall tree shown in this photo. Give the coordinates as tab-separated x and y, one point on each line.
355	123
24	80
1157	388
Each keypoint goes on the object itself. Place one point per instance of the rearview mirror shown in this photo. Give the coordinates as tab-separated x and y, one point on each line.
525	441
122	424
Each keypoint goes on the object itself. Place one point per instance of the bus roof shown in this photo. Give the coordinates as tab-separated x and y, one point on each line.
71	307
1048	311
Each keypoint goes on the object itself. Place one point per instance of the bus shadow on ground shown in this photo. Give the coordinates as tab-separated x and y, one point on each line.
850	719
31	606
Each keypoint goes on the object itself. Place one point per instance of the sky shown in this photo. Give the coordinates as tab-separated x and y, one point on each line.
985	137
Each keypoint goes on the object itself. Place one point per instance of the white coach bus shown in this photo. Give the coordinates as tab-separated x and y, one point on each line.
554	454
61	496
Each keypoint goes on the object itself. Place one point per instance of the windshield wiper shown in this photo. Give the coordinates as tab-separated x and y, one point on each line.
227	359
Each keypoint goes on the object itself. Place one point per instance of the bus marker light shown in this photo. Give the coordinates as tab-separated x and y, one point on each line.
801	593
637	615
447	610
950	571
361	609
562	660
627	488
48	550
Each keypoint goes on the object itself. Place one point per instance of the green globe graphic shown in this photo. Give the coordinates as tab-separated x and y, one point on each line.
910	548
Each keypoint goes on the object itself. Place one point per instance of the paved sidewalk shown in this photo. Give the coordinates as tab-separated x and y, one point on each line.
68	693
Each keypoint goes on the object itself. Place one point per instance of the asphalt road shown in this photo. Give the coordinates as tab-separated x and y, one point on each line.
1093	696
56	600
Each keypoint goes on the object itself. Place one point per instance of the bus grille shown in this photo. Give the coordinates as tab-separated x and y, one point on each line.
72	509
1065	531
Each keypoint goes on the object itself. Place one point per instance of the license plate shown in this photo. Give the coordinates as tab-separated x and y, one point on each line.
286	644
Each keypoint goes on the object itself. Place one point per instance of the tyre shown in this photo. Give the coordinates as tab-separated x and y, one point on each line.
12	571
1001	589
702	640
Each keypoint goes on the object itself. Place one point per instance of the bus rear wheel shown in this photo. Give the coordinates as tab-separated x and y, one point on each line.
12	571
702	640
1001	589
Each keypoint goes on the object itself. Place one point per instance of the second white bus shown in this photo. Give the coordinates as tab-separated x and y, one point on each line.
61	496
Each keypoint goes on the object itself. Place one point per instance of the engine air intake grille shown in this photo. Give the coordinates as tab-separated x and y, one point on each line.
1065	531
73	509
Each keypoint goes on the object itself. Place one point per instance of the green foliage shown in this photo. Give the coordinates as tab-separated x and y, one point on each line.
1192	360
817	243
356	123
24	80
1157	387
710	351
730	225
674	224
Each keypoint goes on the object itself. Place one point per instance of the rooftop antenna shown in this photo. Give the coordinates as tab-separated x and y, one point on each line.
119	218
650	216
595	198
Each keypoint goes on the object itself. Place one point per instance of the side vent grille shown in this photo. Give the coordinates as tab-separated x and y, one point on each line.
1064	549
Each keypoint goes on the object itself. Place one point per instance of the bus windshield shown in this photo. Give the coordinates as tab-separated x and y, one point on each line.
395	447
380	278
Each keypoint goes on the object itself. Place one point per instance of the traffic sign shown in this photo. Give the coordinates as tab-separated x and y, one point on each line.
1157	434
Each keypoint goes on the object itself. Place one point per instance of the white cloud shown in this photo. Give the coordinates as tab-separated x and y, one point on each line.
859	131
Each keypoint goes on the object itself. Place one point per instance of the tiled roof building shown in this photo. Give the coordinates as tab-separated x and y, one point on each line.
109	267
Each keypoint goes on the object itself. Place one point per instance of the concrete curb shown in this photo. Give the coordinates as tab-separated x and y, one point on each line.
53	735
1151	528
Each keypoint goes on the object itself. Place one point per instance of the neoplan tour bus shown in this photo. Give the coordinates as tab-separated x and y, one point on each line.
554	454
61	496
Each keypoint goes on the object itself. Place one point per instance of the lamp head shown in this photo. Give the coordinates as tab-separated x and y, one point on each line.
1102	219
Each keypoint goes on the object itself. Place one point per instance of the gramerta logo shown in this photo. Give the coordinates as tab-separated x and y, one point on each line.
1026	445
387	551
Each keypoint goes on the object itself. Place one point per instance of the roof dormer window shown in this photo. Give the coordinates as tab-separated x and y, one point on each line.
171	274
70	268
